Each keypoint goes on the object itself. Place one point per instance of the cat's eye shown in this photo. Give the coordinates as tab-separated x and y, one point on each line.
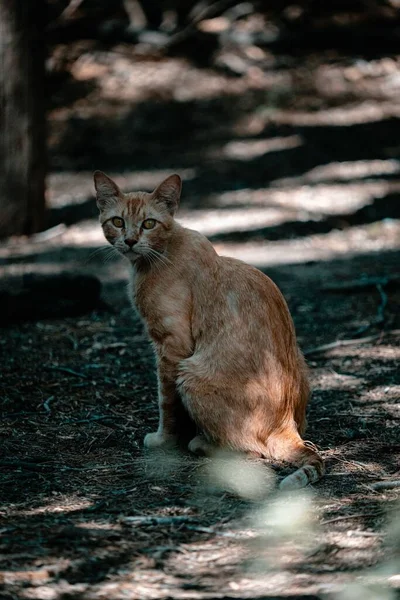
118	222
149	224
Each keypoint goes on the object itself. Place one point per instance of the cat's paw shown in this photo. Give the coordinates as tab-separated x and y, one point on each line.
159	440
199	446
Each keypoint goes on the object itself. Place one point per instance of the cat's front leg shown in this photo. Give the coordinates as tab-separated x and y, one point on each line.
166	435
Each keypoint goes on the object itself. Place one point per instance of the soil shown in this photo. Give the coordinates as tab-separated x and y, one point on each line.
290	165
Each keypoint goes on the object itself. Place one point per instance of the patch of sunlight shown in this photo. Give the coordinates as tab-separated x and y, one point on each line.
124	80
210	222
73	187
56	591
346	171
383	351
249	149
323	379
19	269
385	393
56	504
311	201
106	526
368	111
215	25
318	247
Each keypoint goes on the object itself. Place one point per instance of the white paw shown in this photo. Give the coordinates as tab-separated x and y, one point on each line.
159	440
198	445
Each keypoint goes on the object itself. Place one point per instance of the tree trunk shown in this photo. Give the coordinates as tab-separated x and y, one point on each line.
22	117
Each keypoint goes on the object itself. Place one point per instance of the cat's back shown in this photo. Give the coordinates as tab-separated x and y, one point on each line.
252	289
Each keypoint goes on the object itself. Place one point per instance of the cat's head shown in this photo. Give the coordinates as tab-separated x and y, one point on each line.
137	224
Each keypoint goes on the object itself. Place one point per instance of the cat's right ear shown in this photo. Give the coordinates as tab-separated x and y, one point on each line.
169	192
107	190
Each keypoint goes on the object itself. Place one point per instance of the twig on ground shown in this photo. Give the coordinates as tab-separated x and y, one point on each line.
385	485
69	10
340	343
380	318
69	371
149	520
184	521
355	286
38	466
375	513
351	342
46	404
205	13
227	534
90	419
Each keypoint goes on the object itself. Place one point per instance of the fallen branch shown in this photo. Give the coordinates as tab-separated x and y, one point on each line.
375	513
340	343
69	371
46	404
385	485
211	530
90	419
39	466
184	521
149	520
351	342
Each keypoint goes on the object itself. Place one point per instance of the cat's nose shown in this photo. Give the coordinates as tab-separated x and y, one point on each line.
130	242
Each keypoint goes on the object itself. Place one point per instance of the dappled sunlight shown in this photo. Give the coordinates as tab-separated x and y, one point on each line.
71	187
210	222
335	244
326	378
249	149
311	201
372	352
345	171
384	397
120	79
288	149
368	111
375	237
59	503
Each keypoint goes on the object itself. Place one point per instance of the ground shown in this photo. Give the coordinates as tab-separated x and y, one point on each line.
290	165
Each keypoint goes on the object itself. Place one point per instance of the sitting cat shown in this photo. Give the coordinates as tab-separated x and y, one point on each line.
223	336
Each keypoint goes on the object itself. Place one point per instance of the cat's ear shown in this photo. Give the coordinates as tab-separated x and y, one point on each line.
169	192
107	190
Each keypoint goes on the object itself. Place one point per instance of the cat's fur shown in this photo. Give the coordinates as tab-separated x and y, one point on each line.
223	336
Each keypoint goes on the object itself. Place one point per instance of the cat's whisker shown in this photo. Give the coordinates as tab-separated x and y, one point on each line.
161	258
106	253
152	260
96	252
110	256
157	262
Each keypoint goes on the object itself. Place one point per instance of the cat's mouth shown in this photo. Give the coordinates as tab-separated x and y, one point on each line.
130	253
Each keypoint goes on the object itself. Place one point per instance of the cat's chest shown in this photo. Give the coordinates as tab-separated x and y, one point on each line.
164	307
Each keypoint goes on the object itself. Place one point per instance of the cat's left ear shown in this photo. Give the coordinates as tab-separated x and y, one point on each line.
168	193
107	190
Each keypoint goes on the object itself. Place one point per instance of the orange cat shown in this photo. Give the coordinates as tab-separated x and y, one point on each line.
223	336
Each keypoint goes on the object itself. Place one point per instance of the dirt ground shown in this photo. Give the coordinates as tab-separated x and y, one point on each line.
290	165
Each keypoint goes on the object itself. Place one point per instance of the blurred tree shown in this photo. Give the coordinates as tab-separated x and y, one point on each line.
22	117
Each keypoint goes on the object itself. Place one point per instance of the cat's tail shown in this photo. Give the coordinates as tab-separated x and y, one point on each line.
288	446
